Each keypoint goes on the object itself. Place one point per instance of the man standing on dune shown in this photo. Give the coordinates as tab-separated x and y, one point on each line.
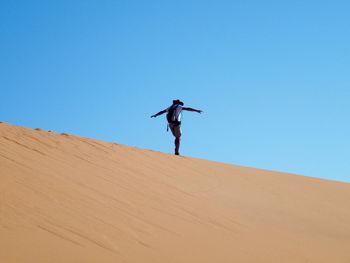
174	114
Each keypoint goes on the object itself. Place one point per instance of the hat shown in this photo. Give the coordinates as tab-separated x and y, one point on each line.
178	102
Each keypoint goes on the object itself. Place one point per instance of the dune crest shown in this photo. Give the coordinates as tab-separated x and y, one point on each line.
66	198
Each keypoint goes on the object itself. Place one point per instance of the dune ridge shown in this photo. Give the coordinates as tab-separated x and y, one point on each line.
66	198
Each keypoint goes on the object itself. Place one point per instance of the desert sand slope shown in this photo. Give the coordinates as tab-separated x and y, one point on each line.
69	199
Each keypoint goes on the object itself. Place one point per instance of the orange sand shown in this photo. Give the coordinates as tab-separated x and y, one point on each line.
66	199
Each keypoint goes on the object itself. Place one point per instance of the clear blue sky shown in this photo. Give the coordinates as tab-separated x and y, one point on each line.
272	77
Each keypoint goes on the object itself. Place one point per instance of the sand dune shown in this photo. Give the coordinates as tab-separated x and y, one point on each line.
65	198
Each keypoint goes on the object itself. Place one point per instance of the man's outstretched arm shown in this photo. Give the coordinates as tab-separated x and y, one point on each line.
191	109
159	113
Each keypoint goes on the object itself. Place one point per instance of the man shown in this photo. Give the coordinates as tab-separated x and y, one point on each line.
174	114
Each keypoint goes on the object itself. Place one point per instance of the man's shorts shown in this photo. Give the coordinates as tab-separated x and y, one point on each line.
175	129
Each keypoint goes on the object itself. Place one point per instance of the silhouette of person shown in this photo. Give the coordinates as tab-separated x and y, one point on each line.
174	114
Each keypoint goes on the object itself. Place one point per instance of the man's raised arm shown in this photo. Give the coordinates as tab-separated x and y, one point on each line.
191	109
159	113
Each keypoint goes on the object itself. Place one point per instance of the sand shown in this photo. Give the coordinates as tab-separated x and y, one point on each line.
65	198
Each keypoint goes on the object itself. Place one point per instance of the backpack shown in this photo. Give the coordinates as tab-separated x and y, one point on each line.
171	115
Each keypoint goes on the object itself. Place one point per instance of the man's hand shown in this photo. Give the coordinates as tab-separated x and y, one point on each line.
153	116
199	111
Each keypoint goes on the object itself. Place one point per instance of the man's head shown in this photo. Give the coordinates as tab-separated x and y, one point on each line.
178	102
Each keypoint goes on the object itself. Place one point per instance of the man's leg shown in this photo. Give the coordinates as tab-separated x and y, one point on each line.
176	131
177	145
